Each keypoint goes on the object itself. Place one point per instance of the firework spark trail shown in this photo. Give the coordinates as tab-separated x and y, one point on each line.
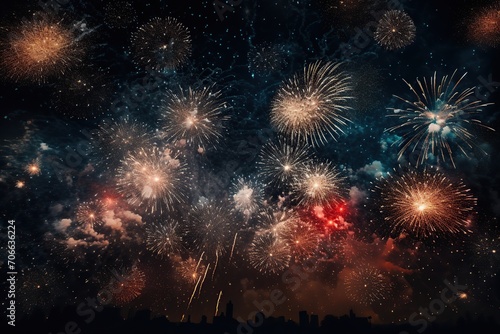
232	248
199	261
192	294
215	266
203	280
217	305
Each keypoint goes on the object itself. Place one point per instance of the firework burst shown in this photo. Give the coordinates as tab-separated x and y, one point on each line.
126	286
395	30
39	49
33	168
117	139
425	203
247	196
268	252
366	285
440	115
318	184
303	239
164	239
484	26
212	228
280	162
162	43
196	116
311	106
152	179
190	270
90	212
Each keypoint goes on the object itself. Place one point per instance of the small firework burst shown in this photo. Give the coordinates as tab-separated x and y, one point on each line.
117	139
196	116
311	105
280	162
125	286
119	14
484	26
425	203
264	60
164	239
247	196
395	30
38	288
367	286
33	168
162	44
268	252
20	184
152	179
318	184
39	49
90	212
190	269
440	115
303	239
212	229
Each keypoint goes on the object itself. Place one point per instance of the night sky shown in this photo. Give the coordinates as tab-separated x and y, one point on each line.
109	182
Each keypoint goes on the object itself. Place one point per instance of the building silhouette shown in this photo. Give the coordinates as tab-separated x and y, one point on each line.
109	320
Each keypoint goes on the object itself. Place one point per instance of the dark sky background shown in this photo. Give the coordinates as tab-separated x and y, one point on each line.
61	262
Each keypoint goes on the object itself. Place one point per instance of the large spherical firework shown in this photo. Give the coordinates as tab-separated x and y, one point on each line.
366	285
268	252
280	162
153	179
39	49
212	229
117	139
164	239
196	116
395	30
484	26
162	44
90	212
125	286
440	116
425	203
311	106
318	184
247	196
